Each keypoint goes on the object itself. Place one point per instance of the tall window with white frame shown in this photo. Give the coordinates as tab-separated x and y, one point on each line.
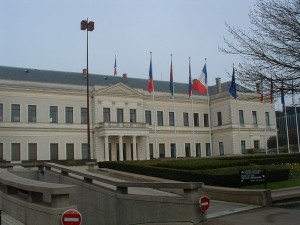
15	151
241	117
185	119
187	147
53	151
70	151
221	148
160	118
148	119
171	119
1	151
84	151
267	117
32	113
254	117
198	149
132	115
196	120
208	150
32	151
106	115
83	115
69	114
120	115
205	120
53	114
243	147
219	115
15	113
173	150
1	112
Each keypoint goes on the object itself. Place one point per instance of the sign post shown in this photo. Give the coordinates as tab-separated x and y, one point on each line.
204	205
71	217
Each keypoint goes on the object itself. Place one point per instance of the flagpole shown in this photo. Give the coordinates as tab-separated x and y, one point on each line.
293	101
263	102
273	106
173	98
193	153
239	127
209	117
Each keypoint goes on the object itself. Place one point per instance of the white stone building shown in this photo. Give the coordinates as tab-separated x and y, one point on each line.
43	117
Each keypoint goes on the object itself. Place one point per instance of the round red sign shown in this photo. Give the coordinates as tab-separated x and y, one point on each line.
204	203
71	217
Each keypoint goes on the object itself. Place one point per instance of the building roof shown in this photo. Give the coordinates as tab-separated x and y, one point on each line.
72	78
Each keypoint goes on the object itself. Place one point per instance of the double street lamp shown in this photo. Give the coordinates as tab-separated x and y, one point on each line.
88	26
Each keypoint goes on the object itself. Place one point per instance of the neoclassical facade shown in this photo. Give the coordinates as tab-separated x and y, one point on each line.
43	116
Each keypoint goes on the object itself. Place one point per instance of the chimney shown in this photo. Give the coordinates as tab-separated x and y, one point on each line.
125	76
218	85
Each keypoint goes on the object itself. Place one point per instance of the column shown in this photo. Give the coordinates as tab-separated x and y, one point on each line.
121	148
147	148
106	149
134	147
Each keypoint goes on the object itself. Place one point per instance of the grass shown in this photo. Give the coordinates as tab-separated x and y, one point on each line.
293	181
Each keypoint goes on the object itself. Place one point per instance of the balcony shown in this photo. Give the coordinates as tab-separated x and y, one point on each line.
125	128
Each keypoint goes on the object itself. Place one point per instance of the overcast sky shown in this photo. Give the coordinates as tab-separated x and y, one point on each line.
45	34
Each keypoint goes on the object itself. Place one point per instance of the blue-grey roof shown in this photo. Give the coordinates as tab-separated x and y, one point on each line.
48	76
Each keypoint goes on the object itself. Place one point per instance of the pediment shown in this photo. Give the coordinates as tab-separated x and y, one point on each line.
119	89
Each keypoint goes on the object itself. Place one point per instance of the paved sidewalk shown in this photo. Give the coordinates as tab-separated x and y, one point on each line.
259	216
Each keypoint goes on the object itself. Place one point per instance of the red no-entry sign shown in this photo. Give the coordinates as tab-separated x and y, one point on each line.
204	203
71	217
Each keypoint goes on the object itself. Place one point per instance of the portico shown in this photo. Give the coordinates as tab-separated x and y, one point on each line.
122	141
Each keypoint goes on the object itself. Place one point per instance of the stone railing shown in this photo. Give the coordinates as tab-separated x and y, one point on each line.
189	189
44	202
122	125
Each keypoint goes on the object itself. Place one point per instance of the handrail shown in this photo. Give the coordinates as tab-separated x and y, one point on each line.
189	188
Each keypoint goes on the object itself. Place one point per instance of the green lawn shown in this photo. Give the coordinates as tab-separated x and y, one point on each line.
294	180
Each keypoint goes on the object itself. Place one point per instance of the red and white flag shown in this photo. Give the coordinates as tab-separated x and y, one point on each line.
200	84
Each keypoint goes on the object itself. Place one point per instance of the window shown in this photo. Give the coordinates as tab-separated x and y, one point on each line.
185	119
84	151
53	114
267	116
256	144
32	113
83	115
161	150
206	121
221	148
53	151
241	116
171	119
69	114
15	113
173	150
243	146
1	112
15	152
198	149
32	151
160	119
70	151
151	151
208	151
106	115
1	151
254	117
219	118
148	117
132	115
120	118
196	119
187	147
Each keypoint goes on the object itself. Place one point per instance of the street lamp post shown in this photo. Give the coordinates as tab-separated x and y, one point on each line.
88	26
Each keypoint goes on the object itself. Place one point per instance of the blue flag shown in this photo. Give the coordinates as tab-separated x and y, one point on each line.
232	89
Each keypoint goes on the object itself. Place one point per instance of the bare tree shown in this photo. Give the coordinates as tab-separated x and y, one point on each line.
270	49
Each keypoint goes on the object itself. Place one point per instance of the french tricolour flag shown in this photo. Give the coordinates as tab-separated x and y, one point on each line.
200	84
